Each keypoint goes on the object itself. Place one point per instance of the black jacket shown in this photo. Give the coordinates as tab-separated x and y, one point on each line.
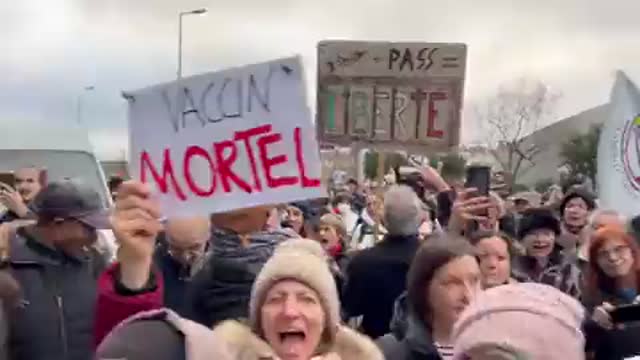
375	278
614	344
54	319
416	344
177	279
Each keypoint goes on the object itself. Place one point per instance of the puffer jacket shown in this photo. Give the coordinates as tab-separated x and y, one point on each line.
245	345
417	343
54	319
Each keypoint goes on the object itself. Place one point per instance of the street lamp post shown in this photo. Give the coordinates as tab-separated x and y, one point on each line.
79	102
183	13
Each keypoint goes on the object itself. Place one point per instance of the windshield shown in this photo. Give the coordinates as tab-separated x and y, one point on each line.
60	165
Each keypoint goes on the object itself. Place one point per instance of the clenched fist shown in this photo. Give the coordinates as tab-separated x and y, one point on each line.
136	224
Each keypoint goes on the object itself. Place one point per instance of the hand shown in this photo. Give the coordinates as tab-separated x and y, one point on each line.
601	316
432	177
12	200
136	225
7	230
466	208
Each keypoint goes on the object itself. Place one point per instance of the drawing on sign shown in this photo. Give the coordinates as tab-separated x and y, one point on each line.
348	60
242	136
395	93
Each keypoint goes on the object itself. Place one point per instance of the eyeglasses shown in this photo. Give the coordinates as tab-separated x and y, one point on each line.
618	251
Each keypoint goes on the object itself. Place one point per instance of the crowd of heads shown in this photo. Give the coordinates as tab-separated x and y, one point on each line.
471	268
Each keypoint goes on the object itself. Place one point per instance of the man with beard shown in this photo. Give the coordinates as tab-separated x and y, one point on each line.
29	182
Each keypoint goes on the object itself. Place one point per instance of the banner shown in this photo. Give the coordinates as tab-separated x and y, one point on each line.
619	150
227	140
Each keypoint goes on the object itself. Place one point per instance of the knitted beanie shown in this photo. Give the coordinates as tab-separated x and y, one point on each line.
300	260
527	320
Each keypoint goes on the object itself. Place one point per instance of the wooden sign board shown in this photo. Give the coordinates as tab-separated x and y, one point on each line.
390	95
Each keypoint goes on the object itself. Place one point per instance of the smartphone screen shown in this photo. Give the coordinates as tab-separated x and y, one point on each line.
479	177
626	313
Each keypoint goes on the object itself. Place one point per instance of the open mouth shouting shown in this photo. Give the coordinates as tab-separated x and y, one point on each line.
541	248
292	343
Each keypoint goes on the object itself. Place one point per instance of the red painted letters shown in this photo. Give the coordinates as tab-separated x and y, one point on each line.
432	113
246	137
306	182
191	152
268	163
167	171
225	165
221	160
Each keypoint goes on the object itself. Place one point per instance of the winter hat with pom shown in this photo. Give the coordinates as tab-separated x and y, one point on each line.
300	260
521	321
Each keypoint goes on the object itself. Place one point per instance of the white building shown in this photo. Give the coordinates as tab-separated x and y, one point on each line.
550	139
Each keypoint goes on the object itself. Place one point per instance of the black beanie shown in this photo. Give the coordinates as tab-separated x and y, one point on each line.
535	219
578	192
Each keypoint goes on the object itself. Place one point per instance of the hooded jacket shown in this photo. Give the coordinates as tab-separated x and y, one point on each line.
246	345
417	343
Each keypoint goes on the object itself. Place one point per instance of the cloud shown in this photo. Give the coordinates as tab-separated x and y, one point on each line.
55	48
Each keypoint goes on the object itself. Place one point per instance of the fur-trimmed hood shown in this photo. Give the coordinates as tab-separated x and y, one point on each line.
246	345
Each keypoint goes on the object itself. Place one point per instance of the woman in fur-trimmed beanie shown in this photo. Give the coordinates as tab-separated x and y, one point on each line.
294	312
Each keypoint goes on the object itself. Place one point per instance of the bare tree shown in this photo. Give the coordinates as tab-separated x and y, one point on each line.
517	110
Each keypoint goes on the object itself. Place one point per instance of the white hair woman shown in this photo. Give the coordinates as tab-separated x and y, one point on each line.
294	312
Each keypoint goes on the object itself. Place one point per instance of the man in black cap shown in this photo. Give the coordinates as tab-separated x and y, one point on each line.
57	269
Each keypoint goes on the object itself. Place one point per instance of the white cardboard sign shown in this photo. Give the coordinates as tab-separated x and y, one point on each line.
227	140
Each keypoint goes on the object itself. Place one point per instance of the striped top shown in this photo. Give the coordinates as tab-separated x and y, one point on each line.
445	351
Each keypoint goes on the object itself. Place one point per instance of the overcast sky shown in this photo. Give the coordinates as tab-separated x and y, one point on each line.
52	49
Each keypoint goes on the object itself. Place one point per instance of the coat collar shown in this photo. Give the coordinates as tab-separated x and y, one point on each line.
349	345
27	249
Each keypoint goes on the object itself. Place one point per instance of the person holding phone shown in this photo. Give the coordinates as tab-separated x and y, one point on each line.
612	283
16	197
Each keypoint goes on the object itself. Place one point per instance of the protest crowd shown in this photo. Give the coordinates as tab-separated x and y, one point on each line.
414	266
423	270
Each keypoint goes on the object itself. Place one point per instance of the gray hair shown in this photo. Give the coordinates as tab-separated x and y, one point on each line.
402	211
600	212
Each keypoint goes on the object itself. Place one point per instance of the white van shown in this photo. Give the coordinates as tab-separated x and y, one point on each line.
65	153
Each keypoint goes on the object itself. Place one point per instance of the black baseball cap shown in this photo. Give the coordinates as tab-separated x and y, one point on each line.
71	200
